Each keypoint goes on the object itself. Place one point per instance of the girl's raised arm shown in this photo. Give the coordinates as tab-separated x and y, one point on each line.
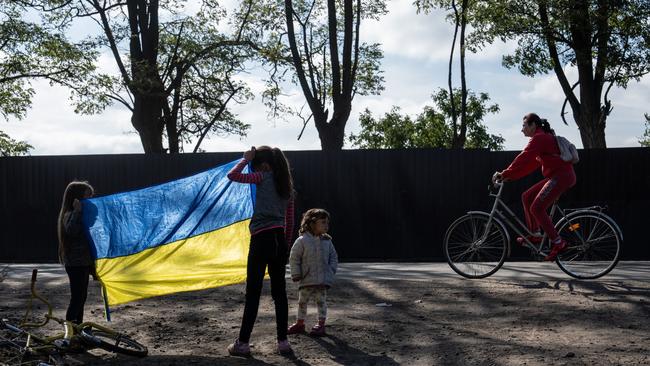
235	174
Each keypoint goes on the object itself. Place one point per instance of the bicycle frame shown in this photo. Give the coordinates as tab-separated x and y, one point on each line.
42	342
517	225
90	334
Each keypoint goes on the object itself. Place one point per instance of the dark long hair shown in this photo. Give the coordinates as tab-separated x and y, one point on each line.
280	167
74	190
539	122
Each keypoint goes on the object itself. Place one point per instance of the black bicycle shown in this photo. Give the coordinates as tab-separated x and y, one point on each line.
477	244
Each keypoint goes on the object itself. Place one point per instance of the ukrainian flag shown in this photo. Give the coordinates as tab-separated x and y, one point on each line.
185	235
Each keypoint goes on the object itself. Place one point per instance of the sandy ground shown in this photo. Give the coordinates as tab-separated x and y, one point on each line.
444	320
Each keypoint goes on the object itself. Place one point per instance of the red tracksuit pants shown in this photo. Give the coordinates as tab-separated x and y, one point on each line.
538	198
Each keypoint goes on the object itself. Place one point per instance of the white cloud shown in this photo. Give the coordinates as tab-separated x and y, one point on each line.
407	34
547	87
424	37
53	128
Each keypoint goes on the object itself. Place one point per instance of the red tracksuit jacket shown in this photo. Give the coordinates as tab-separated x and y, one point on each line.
541	150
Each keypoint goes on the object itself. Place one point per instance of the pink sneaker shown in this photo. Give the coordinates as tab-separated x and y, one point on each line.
556	249
296	328
318	330
284	348
239	349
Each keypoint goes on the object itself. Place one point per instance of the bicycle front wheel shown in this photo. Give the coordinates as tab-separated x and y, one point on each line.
12	350
473	249
594	245
113	341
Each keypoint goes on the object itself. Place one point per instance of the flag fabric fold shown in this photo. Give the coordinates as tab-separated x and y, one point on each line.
184	235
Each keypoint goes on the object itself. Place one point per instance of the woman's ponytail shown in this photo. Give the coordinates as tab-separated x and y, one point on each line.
540	123
547	127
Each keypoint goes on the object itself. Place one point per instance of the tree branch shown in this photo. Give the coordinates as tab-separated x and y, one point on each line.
214	119
557	65
112	44
334	51
355	64
454	114
314	104
348	22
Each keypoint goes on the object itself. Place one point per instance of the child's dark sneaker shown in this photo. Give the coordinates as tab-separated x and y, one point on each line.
284	348
556	249
296	328
318	330
239	349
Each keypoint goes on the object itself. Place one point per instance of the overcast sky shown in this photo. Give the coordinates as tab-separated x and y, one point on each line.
416	48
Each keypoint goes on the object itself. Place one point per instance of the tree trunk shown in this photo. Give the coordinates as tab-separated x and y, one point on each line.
454	115
170	116
460	142
592	128
172	137
147	120
331	137
332	133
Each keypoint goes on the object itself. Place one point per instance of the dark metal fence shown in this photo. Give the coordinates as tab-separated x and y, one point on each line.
385	204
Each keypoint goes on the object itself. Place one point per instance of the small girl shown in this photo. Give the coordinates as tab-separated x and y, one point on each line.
271	227
74	250
313	262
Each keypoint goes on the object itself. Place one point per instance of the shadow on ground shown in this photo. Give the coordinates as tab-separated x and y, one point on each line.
442	321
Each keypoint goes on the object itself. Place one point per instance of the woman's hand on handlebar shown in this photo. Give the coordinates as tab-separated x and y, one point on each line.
497	177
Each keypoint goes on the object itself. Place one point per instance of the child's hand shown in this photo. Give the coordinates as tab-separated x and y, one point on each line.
296	278
250	154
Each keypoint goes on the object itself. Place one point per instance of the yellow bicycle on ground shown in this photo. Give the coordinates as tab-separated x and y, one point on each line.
19	345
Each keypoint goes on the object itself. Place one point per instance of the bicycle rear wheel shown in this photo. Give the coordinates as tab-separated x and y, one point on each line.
14	350
472	249
594	245
113	341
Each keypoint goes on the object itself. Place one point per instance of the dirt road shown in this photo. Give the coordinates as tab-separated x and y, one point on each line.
425	320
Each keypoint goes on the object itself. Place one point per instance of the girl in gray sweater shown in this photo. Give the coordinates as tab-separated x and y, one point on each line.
313	262
271	227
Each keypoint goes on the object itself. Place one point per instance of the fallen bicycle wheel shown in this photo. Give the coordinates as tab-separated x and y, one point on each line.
113	342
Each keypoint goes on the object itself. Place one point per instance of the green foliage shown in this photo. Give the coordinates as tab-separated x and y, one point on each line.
624	52
11	147
607	41
432	128
645	141
314	47
29	51
397	131
205	89
193	65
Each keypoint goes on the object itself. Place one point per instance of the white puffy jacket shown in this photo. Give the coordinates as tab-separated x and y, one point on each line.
314	260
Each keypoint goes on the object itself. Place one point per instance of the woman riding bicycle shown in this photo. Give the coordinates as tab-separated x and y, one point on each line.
542	150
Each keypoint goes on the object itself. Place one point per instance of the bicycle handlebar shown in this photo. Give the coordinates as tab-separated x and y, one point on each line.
35	294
